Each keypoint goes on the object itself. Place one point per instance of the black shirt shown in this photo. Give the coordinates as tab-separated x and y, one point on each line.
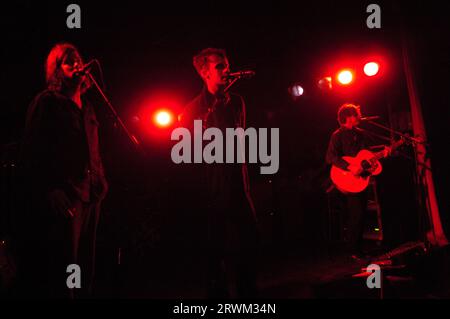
345	142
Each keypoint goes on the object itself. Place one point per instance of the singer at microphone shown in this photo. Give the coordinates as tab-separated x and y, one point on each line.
62	178
223	188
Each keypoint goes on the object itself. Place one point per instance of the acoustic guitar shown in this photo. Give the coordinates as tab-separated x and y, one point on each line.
347	182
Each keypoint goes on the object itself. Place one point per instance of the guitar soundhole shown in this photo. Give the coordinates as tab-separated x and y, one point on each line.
366	165
365	174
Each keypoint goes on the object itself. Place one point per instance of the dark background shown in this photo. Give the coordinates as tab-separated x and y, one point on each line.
146	56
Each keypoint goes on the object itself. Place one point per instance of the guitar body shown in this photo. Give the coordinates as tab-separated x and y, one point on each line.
346	182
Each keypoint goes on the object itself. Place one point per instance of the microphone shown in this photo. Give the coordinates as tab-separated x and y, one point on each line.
85	69
242	74
369	118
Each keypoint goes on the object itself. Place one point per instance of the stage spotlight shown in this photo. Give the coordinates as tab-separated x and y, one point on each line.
345	77
371	68
325	83
163	118
296	90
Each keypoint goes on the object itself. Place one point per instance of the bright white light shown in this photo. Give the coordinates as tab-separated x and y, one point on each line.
345	77
297	90
163	118
371	68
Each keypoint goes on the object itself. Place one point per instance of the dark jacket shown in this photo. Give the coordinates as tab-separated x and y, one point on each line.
60	149
225	182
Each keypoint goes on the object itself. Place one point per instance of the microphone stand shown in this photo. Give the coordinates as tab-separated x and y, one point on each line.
406	137
420	189
116	116
413	140
131	137
210	109
229	85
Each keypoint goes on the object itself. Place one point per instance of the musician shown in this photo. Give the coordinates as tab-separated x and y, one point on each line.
64	181
231	215
348	140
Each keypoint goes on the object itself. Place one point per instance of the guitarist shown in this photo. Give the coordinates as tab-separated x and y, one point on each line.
348	140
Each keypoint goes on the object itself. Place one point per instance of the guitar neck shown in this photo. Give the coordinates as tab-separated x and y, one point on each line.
380	155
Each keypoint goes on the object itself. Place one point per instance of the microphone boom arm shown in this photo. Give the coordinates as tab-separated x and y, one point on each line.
239	75
133	139
229	85
406	137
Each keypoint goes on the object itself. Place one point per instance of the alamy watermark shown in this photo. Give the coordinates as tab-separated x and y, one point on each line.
374	279
74	279
229	149
73	21
374	19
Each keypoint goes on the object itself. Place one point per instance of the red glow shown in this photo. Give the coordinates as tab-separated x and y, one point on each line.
345	77
371	68
326	83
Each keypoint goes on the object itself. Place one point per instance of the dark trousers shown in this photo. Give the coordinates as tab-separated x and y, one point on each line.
49	243
356	217
232	250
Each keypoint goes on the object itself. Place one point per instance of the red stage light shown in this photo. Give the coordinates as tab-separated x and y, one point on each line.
163	118
371	68
326	83
345	77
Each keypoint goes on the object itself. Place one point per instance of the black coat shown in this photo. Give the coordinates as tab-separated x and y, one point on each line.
226	183
60	149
